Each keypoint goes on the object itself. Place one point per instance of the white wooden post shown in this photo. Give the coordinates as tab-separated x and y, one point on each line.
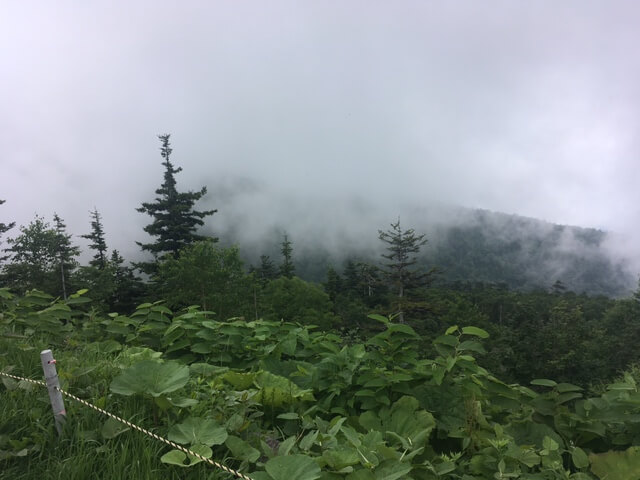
51	378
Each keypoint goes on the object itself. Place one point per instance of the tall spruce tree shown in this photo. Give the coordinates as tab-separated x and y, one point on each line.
402	247
351	282
4	228
287	268
334	284
98	243
174	219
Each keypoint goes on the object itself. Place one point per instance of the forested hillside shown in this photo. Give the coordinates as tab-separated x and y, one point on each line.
466	245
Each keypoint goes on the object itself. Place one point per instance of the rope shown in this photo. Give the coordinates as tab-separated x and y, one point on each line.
37	382
136	427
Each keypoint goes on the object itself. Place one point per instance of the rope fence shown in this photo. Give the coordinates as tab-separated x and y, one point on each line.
60	412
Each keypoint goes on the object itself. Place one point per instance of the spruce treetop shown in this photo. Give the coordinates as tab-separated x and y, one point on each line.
98	243
175	220
403	247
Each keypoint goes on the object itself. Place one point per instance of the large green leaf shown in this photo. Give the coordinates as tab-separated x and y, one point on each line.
177	457
241	450
152	378
341	457
276	391
478	332
579	458
361	475
543	382
196	430
240	380
403	421
112	428
617	465
293	467
392	471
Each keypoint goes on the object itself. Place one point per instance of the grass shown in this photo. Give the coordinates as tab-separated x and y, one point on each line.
27	427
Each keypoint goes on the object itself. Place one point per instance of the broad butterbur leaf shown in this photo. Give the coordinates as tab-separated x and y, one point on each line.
617	465
195	430
276	391
152	378
177	457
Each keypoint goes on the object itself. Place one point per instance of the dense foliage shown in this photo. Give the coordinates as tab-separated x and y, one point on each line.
285	401
42	256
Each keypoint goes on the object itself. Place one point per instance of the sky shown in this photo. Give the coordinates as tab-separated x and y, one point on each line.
282	108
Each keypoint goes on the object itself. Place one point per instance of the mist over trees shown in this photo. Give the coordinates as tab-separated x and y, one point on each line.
523	281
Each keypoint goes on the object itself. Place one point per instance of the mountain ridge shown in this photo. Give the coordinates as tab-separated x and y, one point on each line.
466	244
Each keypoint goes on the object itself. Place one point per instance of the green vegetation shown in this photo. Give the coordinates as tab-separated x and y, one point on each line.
282	400
42	257
389	369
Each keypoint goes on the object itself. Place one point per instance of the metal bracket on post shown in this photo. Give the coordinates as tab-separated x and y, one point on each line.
51	378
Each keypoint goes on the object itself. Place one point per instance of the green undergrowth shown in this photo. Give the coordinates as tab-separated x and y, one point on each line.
283	401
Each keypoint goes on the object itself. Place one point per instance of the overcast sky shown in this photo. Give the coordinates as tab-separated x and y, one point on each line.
527	107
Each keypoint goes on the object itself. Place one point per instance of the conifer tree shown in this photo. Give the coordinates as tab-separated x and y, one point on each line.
334	284
174	219
98	242
266	271
402	247
287	268
558	288
351	278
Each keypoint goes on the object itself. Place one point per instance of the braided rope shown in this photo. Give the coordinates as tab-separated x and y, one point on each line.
37	382
136	427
